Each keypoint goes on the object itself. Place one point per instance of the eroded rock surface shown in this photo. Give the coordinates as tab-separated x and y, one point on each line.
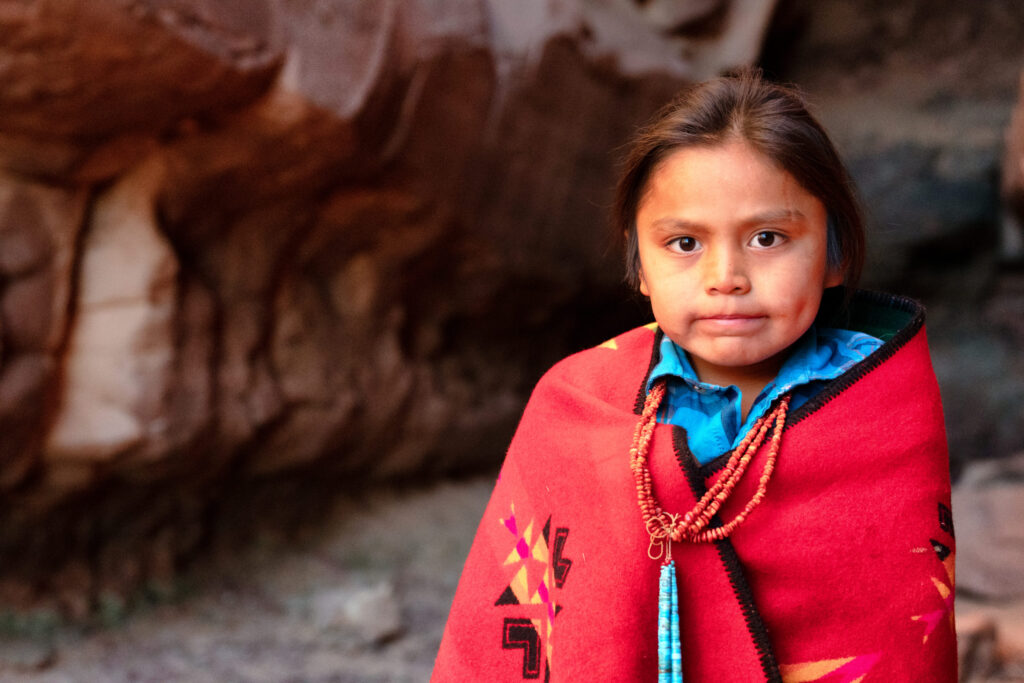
243	241
295	246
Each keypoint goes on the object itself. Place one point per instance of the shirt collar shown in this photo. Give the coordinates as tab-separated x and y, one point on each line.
809	360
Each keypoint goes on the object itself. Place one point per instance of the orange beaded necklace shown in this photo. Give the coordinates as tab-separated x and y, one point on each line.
666	527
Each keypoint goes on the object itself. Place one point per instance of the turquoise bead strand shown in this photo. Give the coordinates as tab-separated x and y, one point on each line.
670	669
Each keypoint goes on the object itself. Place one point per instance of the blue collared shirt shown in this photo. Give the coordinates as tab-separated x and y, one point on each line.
712	415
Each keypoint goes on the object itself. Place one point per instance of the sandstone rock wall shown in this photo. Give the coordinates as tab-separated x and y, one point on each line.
252	252
251	241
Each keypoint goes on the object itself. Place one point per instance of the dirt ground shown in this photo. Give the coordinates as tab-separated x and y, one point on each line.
363	600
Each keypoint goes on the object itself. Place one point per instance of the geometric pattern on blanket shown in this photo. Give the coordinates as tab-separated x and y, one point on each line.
944	583
855	669
841	670
536	566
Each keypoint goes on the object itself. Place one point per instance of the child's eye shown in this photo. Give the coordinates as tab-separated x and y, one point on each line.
766	238
685	244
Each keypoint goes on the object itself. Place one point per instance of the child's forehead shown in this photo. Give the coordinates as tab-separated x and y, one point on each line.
715	182
734	153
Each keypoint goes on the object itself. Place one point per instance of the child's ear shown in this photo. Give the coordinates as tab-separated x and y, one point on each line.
833	278
643	283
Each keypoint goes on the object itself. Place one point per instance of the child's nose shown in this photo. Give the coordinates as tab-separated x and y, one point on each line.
725	273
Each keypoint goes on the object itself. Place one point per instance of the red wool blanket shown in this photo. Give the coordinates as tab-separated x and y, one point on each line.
844	572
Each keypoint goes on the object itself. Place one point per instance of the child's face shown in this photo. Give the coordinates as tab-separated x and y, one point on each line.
732	253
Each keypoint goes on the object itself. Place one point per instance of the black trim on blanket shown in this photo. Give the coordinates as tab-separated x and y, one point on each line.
731	562
854	374
882	354
696	474
641	395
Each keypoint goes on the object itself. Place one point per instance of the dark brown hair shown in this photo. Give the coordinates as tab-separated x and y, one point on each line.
774	120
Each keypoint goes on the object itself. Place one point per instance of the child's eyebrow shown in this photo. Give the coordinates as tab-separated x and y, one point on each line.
672	224
777	216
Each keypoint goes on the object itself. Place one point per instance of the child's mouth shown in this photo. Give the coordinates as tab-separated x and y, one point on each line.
734	323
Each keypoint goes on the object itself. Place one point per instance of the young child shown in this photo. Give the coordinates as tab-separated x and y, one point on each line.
756	486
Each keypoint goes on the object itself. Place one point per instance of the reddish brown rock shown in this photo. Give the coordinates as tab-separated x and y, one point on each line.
89	86
39	228
305	242
119	357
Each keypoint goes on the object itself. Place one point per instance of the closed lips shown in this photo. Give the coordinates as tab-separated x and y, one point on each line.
730	317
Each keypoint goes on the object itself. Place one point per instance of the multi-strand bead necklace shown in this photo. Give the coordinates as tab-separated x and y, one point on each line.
665	527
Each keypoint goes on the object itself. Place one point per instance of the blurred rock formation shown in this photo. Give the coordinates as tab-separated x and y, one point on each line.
918	95
291	244
254	252
988	503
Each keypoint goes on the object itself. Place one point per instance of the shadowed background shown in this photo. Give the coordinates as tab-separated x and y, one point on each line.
258	255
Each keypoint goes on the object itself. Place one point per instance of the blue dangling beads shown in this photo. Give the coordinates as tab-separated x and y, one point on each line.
670	659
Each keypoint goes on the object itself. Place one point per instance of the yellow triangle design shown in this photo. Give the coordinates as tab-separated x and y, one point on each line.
811	671
942	588
519	587
540	550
